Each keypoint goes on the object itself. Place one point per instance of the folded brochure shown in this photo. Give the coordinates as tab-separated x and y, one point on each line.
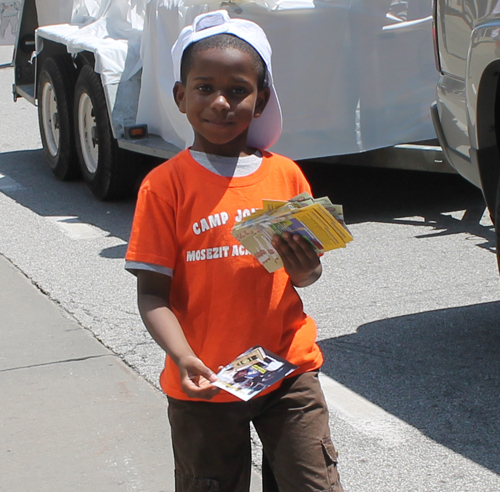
316	219
252	372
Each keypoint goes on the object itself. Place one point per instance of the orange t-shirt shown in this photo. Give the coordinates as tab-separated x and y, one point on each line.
225	301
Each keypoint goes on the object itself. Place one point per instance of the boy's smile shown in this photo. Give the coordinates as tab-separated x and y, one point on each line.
221	98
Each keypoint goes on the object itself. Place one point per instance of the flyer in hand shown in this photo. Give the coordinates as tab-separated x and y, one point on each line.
253	371
316	219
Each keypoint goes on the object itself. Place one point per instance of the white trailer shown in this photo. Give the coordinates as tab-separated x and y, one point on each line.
352	76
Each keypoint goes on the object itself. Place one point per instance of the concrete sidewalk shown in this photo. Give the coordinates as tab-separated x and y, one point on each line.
73	416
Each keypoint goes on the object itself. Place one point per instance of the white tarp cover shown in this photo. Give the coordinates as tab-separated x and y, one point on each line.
351	75
111	29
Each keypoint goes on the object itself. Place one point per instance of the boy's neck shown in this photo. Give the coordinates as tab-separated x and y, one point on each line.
228	166
244	153
236	148
221	152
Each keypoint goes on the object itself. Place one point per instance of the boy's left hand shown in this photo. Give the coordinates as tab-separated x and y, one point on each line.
299	258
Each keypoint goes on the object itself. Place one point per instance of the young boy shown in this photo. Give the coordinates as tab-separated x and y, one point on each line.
204	299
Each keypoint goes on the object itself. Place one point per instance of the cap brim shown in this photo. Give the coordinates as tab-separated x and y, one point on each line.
265	130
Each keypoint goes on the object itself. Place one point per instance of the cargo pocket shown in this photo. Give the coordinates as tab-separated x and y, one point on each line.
331	457
185	483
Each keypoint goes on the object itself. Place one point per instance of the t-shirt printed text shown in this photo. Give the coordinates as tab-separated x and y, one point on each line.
216	253
219	219
216	220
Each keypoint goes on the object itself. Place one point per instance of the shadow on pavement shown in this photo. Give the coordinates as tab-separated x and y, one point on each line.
43	194
392	196
368	195
371	194
439	371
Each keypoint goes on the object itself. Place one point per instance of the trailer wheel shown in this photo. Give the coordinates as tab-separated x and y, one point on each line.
55	102
107	170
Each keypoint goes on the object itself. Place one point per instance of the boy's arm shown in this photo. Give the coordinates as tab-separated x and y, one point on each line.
299	259
153	292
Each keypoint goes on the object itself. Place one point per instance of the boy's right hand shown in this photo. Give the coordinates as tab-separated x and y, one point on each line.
153	294
197	378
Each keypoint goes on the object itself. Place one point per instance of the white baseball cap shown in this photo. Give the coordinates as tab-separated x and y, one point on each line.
265	130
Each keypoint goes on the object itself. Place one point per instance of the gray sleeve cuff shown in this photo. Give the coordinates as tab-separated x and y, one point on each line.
133	266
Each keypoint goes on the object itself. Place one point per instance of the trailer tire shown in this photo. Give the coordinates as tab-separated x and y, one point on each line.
107	170
55	103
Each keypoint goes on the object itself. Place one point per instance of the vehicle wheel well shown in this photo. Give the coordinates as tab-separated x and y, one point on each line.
84	58
51	49
488	132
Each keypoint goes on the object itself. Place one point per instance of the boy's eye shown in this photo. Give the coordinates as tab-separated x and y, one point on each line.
240	90
203	88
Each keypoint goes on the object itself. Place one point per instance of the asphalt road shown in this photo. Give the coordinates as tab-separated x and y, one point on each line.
408	313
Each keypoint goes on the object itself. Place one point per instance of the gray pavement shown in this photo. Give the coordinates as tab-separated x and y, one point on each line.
73	416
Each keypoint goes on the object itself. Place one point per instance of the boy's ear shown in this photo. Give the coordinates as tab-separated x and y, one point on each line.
179	96
262	100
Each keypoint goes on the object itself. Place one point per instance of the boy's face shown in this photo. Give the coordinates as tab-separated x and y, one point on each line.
220	100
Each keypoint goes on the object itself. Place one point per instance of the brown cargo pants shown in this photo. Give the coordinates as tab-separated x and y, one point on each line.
212	447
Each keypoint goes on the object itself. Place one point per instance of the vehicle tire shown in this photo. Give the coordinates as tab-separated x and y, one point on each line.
107	170
55	104
496	221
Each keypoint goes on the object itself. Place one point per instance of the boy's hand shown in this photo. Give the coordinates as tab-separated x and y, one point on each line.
299	258
197	378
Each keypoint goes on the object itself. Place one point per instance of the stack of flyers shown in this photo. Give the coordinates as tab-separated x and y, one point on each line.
252	372
316	219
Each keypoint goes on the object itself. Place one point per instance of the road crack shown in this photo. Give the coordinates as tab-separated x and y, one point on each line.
64	361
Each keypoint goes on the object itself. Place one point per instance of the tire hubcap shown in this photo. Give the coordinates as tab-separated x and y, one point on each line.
87	131
50	119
